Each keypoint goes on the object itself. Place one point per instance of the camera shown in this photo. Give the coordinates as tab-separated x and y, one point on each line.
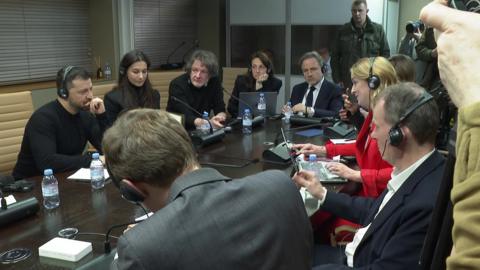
414	26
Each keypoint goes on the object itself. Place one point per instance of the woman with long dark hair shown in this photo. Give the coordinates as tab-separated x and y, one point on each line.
259	77
133	89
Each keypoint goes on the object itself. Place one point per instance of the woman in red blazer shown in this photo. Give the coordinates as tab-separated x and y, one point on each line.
369	77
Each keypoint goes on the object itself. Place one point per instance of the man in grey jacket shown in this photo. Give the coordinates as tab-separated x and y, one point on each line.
202	219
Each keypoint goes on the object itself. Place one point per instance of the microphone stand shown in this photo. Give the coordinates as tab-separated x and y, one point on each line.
106	245
257	120
202	139
169	65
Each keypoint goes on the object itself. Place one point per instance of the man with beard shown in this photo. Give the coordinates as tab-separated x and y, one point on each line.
56	134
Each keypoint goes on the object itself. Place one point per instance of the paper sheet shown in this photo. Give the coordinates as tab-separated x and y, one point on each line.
84	174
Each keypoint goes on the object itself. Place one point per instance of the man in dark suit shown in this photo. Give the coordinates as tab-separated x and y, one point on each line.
202	219
316	97
394	224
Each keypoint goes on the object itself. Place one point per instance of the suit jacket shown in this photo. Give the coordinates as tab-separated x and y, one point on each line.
211	222
395	237
328	103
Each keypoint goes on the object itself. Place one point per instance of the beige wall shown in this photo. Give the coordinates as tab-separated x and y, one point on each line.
102	30
211	27
409	10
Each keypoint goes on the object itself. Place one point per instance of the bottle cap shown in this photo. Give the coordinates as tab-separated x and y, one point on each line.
289	104
312	157
262	94
95	155
47	172
247	110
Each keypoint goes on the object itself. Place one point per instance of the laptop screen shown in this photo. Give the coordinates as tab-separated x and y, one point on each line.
251	98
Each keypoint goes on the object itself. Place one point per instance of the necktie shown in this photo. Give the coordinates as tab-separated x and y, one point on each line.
309	101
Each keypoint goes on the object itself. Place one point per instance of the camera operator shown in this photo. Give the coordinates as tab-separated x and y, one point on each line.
409	41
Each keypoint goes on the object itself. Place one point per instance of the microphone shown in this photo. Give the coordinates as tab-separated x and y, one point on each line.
196	44
18	210
3	202
201	138
106	245
257	120
169	65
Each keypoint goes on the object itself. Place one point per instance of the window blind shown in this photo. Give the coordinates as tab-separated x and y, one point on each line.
161	26
40	37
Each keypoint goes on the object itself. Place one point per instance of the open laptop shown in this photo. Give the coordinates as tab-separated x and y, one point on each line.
251	98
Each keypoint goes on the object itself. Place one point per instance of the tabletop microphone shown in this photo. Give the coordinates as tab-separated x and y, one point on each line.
201	138
196	44
257	120
169	65
106	245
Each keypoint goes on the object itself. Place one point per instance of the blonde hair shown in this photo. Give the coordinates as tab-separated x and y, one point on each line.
379	66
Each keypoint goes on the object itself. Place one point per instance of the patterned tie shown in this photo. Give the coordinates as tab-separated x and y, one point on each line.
309	101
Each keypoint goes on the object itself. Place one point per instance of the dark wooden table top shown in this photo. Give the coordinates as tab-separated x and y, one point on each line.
95	211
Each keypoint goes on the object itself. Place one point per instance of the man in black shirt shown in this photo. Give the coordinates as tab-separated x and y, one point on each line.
200	88
56	134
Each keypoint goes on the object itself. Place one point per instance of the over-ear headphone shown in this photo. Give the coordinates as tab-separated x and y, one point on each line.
395	134
372	80
63	91
128	192
324	68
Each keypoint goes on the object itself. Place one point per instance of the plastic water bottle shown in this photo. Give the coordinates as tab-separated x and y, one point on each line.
107	71
96	172
288	112
262	105
247	122
205	127
312	158
51	198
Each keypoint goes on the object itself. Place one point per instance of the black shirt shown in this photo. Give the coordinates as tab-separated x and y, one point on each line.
272	84
207	98
55	139
114	103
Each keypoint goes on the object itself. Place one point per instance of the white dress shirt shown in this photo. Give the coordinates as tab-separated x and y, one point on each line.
317	86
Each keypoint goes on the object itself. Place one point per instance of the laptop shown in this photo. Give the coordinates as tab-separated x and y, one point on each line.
251	98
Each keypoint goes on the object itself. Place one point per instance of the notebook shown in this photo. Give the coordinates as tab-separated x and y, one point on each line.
323	174
251	98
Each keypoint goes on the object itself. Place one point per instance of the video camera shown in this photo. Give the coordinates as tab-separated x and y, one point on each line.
414	26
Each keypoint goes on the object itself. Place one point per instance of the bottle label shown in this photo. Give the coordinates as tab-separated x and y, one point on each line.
50	191
247	122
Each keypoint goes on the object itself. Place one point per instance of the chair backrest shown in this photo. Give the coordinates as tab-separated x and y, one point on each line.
99	90
228	79
161	81
15	110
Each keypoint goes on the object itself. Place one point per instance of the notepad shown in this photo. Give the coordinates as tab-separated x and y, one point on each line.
65	249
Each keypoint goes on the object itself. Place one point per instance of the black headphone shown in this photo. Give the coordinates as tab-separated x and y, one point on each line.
395	134
372	80
63	91
128	192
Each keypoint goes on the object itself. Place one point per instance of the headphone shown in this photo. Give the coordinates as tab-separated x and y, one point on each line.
395	134
63	91
128	191
372	80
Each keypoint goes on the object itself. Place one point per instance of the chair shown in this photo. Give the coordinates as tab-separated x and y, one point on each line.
228	79
161	82
15	110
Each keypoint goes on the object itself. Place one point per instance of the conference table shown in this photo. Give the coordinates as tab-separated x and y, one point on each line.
92	212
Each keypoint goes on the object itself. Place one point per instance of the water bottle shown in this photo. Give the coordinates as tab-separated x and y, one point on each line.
96	172
312	158
288	112
51	199
247	122
262	105
107	71
205	127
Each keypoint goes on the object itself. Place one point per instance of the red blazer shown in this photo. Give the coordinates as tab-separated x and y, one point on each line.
374	170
